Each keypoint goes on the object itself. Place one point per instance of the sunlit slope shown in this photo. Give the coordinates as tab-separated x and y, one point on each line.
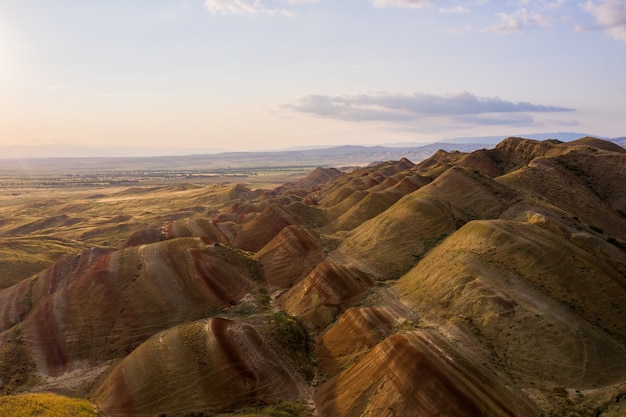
25	256
212	365
547	309
35	235
397	238
100	219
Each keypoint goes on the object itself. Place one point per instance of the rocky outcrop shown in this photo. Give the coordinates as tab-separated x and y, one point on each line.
418	374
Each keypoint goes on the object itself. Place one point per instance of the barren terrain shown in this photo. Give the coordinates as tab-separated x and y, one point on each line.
483	283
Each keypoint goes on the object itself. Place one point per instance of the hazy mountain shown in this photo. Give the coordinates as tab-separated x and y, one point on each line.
620	141
308	158
495	139
481	283
87	151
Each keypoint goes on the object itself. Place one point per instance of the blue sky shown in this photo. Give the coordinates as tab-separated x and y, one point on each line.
266	74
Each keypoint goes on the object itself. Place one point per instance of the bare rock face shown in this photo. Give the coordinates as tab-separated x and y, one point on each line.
213	365
329	289
290	256
356	332
418	374
260	230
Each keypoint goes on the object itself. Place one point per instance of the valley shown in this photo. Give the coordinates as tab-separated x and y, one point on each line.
473	282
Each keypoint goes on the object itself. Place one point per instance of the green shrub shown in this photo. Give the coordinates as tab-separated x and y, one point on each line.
288	332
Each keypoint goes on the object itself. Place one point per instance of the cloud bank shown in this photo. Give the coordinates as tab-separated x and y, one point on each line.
251	7
518	21
462	107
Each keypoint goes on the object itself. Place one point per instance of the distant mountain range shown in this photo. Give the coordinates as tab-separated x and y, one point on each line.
86	151
346	155
620	141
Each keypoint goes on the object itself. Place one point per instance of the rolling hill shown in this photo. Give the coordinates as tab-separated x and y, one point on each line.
483	283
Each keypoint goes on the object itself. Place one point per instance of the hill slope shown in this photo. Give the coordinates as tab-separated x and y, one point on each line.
485	283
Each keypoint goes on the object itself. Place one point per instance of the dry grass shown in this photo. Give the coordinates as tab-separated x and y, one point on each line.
615	410
24	256
45	404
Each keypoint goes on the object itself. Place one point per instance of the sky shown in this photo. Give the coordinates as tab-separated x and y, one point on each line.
211	75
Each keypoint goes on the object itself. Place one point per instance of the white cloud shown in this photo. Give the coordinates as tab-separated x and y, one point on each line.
518	21
296	2
462	107
610	15
415	4
555	5
454	10
242	7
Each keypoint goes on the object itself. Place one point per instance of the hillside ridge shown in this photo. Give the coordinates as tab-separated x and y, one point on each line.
489	282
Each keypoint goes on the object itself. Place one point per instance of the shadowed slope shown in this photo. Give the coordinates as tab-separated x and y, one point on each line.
356	331
555	183
207	229
602	173
125	297
326	291
597	143
418	374
290	256
513	153
260	230
207	366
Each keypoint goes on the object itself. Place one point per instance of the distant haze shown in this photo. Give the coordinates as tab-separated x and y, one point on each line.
83	151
